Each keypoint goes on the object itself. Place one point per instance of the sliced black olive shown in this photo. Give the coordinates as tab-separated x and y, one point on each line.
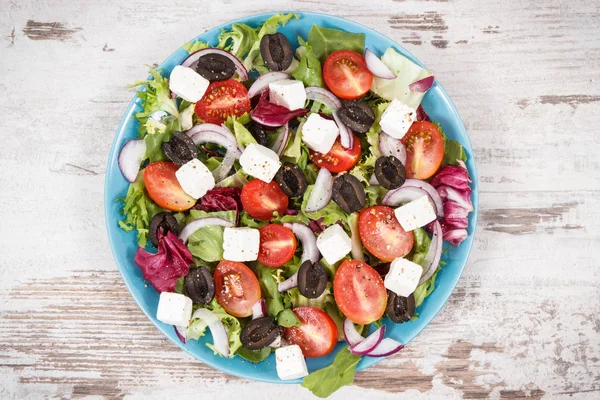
215	67
348	193
165	222
382	269
200	285
258	133
357	115
390	172
291	180
400	309
180	149
312	279
276	51
259	333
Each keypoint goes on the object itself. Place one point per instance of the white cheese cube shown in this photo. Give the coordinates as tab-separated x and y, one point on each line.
174	309
397	118
288	93
195	178
241	244
334	243
319	133
403	277
187	83
290	363
260	162
415	214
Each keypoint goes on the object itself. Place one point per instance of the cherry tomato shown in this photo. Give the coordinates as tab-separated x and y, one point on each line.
316	336
164	188
338	159
359	292
261	199
277	245
236	288
424	150
346	75
382	234
221	100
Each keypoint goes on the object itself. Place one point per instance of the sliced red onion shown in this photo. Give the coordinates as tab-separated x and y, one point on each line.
396	197
309	242
390	146
323	96
369	343
377	67
432	258
281	140
422	85
289	283
217	329
201	223
288	225
351	334
276	343
385	348
346	135
208	133
213	137
181	332
357	249
263	81
192	60
259	309
223	169
373	181
431	191
130	158
322	191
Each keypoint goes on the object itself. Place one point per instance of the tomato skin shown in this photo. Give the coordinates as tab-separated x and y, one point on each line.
316	336
164	188
236	288
221	100
346	75
359	292
381	233
338	159
277	245
424	150
261	199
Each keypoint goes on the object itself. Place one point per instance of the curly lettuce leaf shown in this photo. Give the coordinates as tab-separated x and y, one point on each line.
194	46
238	40
207	242
197	328
325	41
254	60
375	130
331	213
309	69
323	382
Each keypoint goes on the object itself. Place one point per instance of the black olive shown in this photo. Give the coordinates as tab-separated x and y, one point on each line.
357	115
382	269
400	309
165	222
180	149
291	180
348	193
276	51
312	279
390	172
200	285
258	133
215	67
259	333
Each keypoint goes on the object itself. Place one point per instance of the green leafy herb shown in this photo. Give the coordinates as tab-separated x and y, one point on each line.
207	242
325	41
322	383
309	71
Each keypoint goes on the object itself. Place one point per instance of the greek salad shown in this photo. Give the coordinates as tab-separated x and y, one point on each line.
287	199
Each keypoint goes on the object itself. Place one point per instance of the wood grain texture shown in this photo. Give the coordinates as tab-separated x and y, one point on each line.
522	323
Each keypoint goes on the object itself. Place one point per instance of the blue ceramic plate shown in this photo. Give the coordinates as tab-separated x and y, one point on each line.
436	103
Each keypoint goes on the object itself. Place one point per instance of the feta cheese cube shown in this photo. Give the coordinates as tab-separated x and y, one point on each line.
195	178
288	93
290	363
397	118
334	243
260	162
174	309
319	133
241	244
403	277
187	83
415	214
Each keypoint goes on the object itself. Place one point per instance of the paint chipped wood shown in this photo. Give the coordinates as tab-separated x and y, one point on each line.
36	30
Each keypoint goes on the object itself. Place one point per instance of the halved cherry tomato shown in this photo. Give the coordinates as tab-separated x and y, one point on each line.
382	234
424	150
359	292
346	74
338	159
221	100
236	288
261	199
316	336
164	188
277	245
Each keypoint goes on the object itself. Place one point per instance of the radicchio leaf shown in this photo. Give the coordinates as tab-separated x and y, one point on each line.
269	114
221	199
421	114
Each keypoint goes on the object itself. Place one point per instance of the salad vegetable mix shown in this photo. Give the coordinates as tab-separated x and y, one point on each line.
282	197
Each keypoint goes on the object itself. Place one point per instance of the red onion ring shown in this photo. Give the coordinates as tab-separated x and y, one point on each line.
357	249
181	333
351	334
192	59
281	140
263	81
370	343
431	191
322	191
218	129
422	85
346	135
390	146
434	253
385	348
309	242
323	96
200	223
405	194
289	283
217	330
130	158
222	171
377	67
259	309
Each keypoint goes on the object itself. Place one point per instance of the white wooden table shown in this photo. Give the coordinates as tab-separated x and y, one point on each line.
524	320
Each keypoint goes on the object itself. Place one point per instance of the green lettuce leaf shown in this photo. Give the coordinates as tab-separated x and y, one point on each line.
197	328
453	151
268	279
238	40
154	142
322	383
287	319
331	213
254	60
194	46
249	222
325	41
424	290
375	130
309	70
254	356
242	135
207	242
417	255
